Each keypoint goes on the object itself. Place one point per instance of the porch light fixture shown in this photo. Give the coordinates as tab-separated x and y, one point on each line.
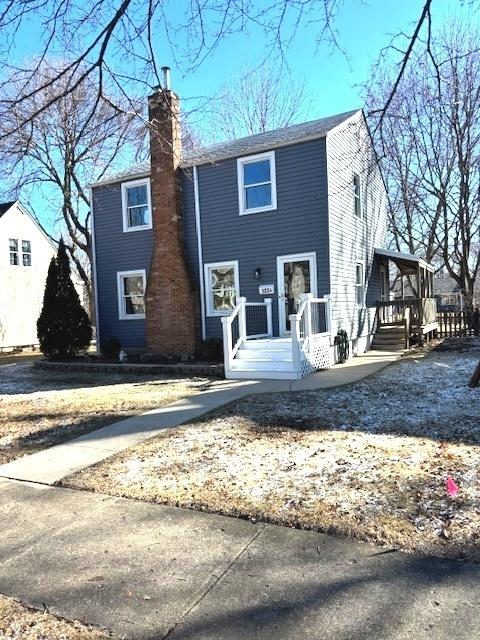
257	273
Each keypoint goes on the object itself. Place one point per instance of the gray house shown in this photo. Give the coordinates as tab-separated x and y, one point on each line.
271	242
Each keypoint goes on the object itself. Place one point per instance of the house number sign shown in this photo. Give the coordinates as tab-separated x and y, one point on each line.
266	289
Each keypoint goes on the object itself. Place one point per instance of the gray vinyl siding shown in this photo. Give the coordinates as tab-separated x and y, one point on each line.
298	225
117	251
189	226
353	240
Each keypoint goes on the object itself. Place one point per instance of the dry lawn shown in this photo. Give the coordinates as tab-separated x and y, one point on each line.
27	355
18	622
41	408
369	460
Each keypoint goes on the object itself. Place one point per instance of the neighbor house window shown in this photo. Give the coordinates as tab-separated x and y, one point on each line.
136	205
357	194
360	284
26	253
222	287
131	294
13	251
257	189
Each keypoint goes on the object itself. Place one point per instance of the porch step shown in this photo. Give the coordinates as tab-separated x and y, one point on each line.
262	365
241	374
266	358
389	338
279	345
388	347
391	329
264	354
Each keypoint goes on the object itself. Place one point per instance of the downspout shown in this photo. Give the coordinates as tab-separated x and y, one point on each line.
200	251
94	266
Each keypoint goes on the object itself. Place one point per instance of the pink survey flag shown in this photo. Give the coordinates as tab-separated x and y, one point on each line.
452	488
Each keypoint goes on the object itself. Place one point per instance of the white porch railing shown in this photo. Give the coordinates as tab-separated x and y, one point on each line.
246	321
311	333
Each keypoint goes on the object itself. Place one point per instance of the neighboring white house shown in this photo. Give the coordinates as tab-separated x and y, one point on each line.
26	252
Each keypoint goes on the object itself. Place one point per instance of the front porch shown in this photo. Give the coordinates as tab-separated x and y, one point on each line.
251	350
412	315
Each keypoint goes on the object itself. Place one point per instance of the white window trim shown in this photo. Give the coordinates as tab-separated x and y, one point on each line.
211	313
18	253
363	304
270	155
125	186
120	295
360	186
26	253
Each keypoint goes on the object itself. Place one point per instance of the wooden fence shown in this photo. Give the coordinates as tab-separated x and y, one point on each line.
454	323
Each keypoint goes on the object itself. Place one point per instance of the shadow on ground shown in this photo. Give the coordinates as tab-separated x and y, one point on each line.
24	378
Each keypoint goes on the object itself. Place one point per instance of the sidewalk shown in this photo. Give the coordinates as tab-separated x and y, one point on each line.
53	464
149	572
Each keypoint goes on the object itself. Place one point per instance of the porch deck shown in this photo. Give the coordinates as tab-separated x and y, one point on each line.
406	320
409	317
251	350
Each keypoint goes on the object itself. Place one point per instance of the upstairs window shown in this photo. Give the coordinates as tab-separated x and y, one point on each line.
360	284
26	253
131	294
357	195
136	205
13	251
257	189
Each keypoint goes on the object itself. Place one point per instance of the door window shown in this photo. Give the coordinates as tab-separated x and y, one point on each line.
296	279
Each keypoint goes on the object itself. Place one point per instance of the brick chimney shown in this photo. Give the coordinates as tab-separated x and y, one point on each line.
170	319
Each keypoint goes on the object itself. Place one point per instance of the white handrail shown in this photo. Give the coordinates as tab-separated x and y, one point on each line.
230	349
301	344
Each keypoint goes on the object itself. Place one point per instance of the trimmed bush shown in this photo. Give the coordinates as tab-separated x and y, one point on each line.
111	348
63	328
210	350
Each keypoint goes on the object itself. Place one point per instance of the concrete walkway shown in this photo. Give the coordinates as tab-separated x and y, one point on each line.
147	572
53	464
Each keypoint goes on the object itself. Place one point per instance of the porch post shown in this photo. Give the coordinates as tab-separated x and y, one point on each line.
328	313
420	299
243	319
295	332
227	343
268	305
307	297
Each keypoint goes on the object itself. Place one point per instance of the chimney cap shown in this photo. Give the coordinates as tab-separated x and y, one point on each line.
166	78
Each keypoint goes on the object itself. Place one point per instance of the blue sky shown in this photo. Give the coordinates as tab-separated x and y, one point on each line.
364	27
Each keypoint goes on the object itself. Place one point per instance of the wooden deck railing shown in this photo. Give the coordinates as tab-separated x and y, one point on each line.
393	311
417	312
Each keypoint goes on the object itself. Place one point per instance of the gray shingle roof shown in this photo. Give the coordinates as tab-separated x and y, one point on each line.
242	146
267	140
5	206
446	284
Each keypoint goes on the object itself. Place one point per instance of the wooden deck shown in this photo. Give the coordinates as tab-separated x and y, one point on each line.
417	316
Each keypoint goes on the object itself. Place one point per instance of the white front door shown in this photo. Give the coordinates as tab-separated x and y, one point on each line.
296	274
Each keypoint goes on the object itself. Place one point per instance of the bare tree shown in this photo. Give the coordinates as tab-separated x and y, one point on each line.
255	101
60	151
114	42
430	142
